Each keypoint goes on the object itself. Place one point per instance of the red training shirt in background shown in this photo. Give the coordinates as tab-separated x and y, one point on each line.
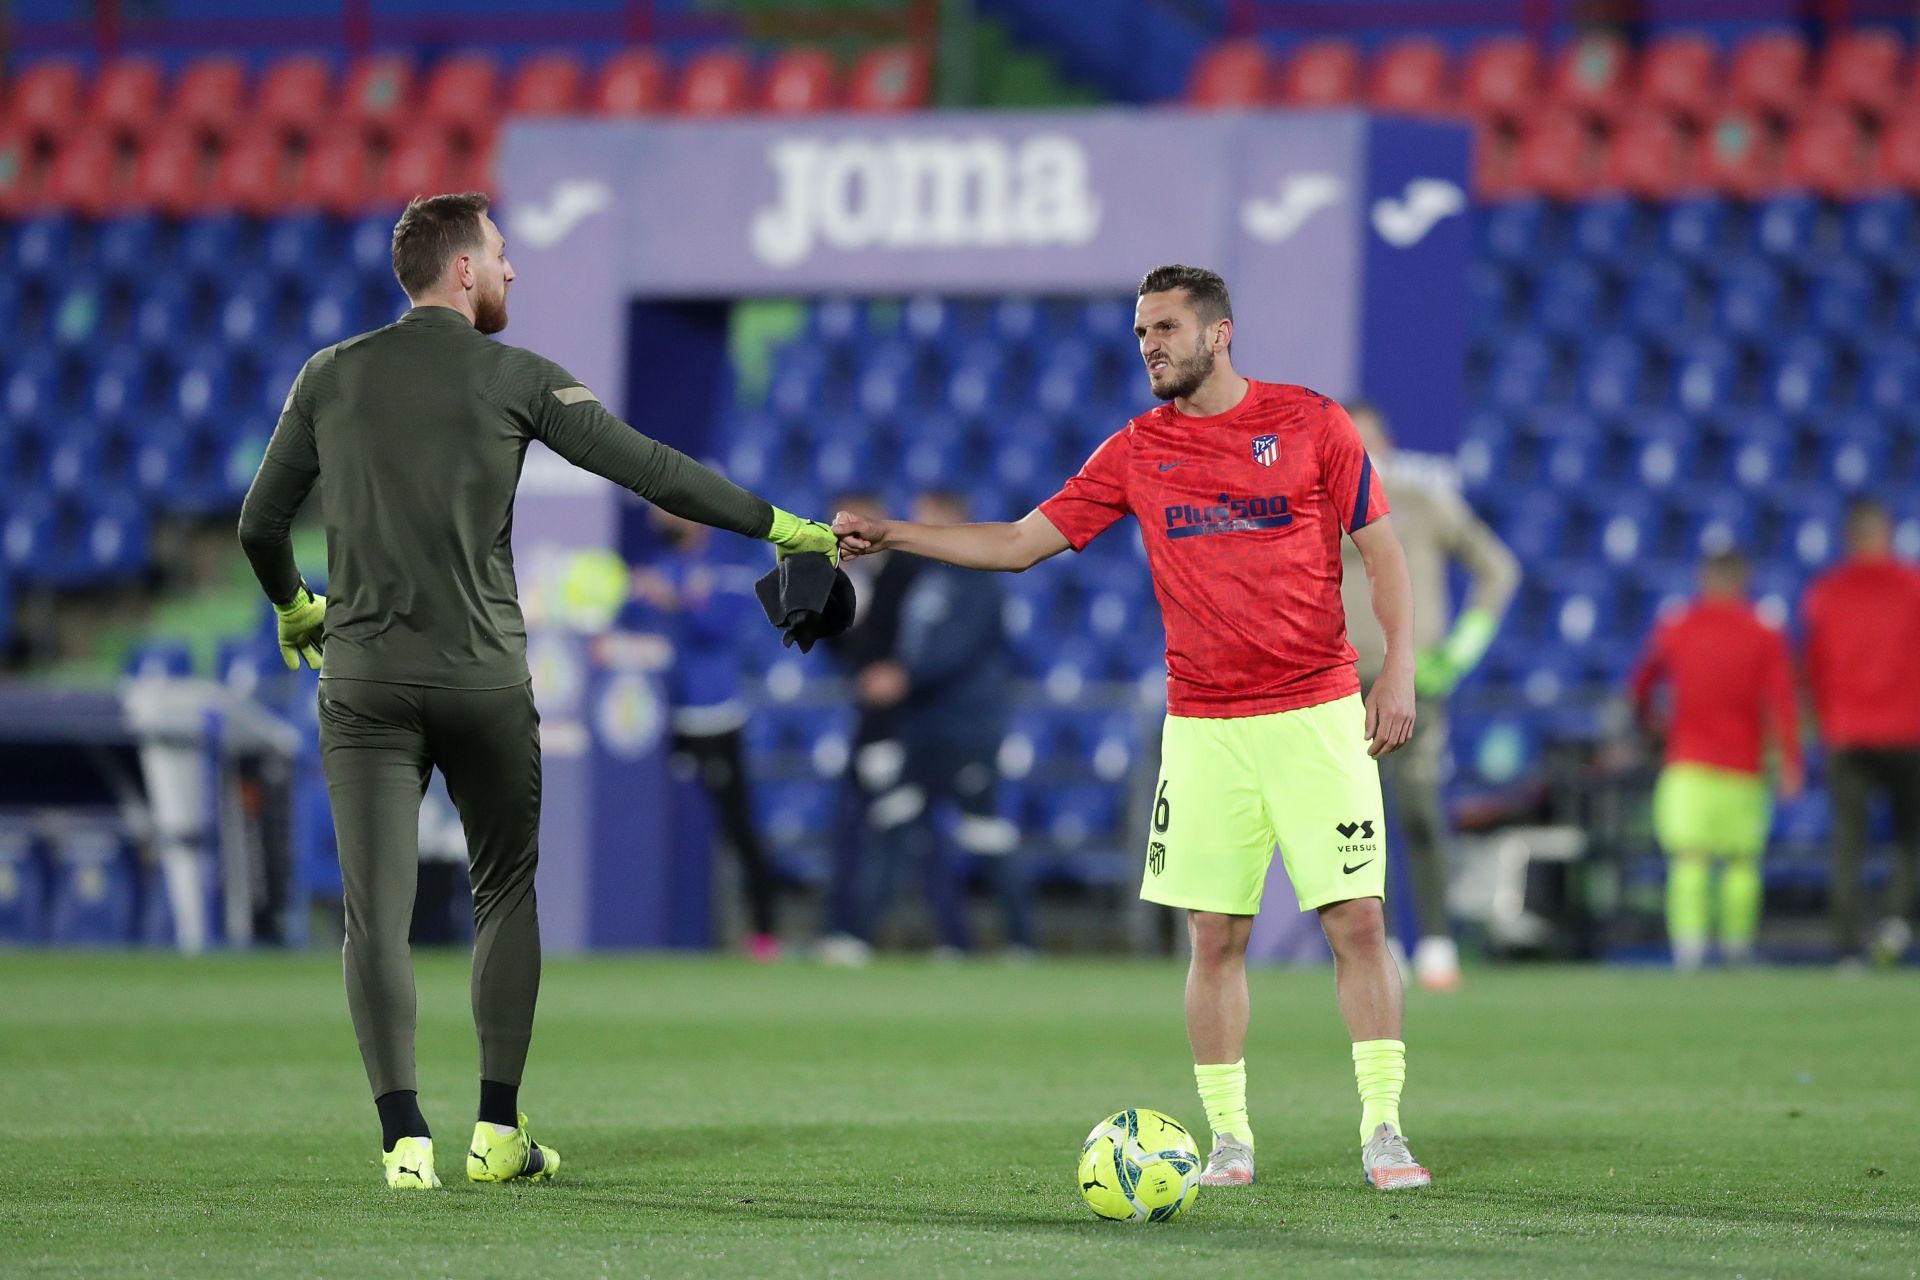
1242	515
1863	653
1732	681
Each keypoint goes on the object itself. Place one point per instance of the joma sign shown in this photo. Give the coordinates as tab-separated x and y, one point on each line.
924	193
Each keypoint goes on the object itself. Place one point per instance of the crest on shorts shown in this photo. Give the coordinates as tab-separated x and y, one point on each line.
1156	857
1266	450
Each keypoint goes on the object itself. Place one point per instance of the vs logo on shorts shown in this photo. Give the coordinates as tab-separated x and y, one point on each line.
1365	843
1156	857
1266	450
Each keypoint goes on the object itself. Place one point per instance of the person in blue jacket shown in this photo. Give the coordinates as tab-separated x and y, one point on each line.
705	601
948	687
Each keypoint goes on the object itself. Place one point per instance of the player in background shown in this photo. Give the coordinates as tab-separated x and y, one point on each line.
1437	530
1863	664
419	430
1730	685
1243	490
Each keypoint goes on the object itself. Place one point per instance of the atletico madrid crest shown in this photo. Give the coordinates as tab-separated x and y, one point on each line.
1266	450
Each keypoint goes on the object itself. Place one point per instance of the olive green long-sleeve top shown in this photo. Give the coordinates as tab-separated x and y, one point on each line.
416	434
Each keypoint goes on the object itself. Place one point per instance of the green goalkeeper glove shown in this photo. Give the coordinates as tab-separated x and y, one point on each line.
1437	671
791	535
302	621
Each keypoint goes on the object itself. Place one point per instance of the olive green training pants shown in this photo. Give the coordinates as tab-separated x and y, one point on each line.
378	744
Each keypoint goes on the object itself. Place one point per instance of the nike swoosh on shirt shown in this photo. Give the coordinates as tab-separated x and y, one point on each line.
1355	867
1168	466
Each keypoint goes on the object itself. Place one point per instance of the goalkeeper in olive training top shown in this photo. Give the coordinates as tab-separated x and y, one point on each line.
419	430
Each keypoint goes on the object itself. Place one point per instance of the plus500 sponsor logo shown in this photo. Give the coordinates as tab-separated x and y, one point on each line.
1230	515
924	193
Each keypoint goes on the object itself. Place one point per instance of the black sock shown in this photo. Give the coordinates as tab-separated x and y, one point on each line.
499	1103
400	1117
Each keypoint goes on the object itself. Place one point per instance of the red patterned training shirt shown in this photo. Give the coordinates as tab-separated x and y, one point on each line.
1242	515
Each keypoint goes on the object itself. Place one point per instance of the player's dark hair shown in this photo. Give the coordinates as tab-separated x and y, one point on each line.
1726	564
431	233
1867	511
1206	291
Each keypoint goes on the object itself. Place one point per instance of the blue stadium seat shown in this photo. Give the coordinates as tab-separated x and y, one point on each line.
293	245
369	244
1664	448
792	812
1609	230
1881	228
121	382
1522	373
126	247
23	885
1699	228
1756	447
1840	297
34	385
1533	526
890	377
1516	230
164	310
1802	526
1713	520
95	892
77	311
1016	320
1613	374
1661	300
1626	522
1801	374
1074	814
43	246
214	245
1706	373
800	379
838	320
1793	226
12	309
978	379
1750	298
332	314
1573	462
1490	295
249	313
202	383
1570	298
1068	376
24	446
1889	376
1855	450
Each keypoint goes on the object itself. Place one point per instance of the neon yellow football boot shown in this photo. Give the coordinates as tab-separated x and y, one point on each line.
410	1165
502	1157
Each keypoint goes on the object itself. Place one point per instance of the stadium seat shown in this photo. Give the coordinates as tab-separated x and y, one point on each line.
631	83
1646	156
799	82
86	175
23	877
1522	373
210	95
1881	227
46	98
126	97
1613	373
462	95
333	175
1801	374
1321	73
1896	160
417	165
1768	74
21	172
170	173
1411	77
1750	299
124	247
1698	229
295	95
1794	228
1737	155
94	896
889	78
1826	153
1557	156
1501	79
1889	375
1664	450
1495	149
1855	450
252	173
547	84
1569	297
1706	373
1232	74
1712	520
714	83
1593	76
1677	75
378	95
1860	71
1906	304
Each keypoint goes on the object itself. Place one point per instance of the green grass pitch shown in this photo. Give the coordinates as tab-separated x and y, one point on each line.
209	1119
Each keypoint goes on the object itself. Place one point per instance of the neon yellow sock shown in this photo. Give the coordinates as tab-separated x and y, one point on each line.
1380	1068
1739	902
1223	1092
1687	901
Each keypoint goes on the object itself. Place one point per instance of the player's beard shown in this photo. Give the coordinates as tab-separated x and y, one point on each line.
490	310
1185	377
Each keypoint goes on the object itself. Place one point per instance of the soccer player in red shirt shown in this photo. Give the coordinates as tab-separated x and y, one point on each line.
1731	682
1863	664
1243	490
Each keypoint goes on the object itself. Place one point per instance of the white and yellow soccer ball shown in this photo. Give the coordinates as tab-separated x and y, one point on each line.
1139	1166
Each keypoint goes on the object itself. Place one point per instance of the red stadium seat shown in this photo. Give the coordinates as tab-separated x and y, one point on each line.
1411	77
1594	75
890	78
1322	73
633	83
211	94
470	167
85	176
1737	154
1557	156
20	170
1494	176
1677	74
170	174
379	94
547	84
1896	160
1769	74
798	81
333	175
46	97
1501	79
463	93
1861	70
714	83
1826	153
416	166
126	96
1646	156
1233	73
296	93
253	171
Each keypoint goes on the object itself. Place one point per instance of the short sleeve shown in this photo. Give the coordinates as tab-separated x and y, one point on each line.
1092	501
1357	495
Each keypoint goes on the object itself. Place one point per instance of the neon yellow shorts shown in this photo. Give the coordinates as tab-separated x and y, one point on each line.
1230	789
1699	808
